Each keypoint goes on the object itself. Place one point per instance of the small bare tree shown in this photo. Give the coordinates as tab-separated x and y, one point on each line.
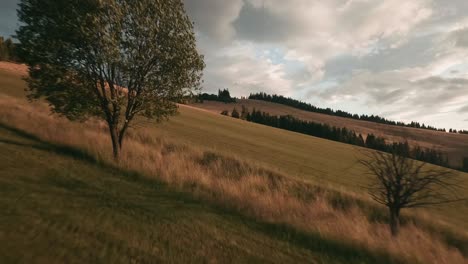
399	182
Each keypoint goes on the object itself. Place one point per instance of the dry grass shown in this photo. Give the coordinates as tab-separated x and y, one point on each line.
14	68
232	183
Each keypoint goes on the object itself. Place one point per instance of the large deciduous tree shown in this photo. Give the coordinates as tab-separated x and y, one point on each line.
398	182
112	59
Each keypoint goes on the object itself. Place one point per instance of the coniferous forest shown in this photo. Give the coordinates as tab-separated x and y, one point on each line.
343	135
279	99
8	50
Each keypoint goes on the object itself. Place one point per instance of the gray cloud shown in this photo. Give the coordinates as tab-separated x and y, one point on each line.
461	37
259	24
8	21
464	110
394	95
214	17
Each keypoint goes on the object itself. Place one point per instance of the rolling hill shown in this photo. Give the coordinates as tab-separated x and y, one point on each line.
455	145
209	186
57	208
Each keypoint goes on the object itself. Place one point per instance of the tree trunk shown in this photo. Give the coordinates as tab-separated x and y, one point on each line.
394	221
115	141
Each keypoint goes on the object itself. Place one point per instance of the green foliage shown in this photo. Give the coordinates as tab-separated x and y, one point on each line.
114	59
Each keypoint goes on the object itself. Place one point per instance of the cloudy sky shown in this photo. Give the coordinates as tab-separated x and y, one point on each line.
404	60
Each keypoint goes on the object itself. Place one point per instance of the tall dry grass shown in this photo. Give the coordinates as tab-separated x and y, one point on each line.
233	183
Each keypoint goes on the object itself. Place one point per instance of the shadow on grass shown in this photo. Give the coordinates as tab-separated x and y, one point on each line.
46	146
335	251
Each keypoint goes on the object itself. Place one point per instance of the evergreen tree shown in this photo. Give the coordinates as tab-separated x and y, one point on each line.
345	135
465	164
235	113
311	108
244	112
7	50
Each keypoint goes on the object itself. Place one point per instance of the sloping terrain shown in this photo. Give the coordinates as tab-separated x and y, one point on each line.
226	194
320	161
57	208
59	205
455	145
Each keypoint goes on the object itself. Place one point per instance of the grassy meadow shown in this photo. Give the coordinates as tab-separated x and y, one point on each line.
199	188
328	163
454	145
57	208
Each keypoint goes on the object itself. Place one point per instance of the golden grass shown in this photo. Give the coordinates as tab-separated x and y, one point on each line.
14	68
318	161
232	183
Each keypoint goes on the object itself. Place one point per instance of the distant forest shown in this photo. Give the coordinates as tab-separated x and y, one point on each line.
8	50
222	96
328	111
343	135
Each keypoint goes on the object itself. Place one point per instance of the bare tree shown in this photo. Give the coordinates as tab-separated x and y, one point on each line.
399	182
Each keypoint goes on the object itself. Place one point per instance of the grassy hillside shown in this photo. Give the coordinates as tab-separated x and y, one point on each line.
455	145
59	208
192	153
321	161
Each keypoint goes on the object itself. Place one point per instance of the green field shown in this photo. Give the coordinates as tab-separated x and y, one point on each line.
320	161
93	213
58	208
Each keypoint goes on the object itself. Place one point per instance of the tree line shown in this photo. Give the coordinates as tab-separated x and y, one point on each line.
328	111
8	50
222	96
342	135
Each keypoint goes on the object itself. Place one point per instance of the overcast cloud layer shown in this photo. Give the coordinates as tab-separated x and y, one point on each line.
405	60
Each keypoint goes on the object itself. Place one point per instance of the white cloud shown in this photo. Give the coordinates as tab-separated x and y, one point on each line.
399	95
316	31
241	68
403	59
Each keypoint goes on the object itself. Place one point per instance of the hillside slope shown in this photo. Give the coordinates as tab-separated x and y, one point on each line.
59	208
455	145
60	205
319	161
278	192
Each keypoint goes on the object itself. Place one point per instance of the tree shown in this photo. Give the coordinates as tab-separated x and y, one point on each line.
399	182
225	96
244	112
235	113
113	59
465	164
7	50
